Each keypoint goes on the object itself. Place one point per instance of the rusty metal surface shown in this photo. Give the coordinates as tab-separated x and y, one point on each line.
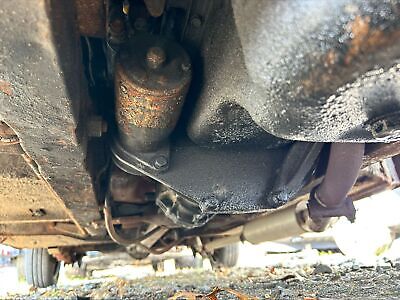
60	255
48	227
380	151
7	135
135	221
45	241
129	188
368	186
27	229
374	179
149	100
328	68
321	71
38	235
91	17
11	149
9	141
41	64
66	228
217	117
64	254
22	193
205	175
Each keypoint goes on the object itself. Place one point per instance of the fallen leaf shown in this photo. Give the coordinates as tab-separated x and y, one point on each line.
187	295
211	296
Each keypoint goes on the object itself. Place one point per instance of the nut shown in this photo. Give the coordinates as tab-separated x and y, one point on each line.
37	212
160	162
155	57
196	22
185	66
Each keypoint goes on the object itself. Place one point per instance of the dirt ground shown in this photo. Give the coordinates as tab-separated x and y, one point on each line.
313	282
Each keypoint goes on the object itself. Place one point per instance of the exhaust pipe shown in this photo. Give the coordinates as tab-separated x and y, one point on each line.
282	223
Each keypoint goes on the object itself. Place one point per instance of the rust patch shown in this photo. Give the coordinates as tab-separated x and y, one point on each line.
47	241
378	39
22	193
5	88
151	82
6	130
317	81
330	59
91	17
129	188
147	108
379	151
366	39
7	135
63	254
359	30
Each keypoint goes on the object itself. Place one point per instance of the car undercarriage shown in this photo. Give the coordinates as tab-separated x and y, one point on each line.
148	124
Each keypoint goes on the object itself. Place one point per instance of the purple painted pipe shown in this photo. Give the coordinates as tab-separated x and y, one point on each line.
329	199
344	163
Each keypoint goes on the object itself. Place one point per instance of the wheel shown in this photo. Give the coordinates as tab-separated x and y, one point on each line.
227	256
41	269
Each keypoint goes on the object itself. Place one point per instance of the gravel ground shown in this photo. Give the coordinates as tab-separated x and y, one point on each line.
306	282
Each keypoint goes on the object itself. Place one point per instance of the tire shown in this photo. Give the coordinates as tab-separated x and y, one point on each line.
41	269
227	256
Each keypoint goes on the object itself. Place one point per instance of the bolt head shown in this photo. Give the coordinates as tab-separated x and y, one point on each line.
185	66
155	57
160	162
380	128
196	22
117	26
38	212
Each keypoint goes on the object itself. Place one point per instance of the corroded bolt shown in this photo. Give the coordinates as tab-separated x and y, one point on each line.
155	57
185	66
381	128
117	26
160	162
38	212
196	22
